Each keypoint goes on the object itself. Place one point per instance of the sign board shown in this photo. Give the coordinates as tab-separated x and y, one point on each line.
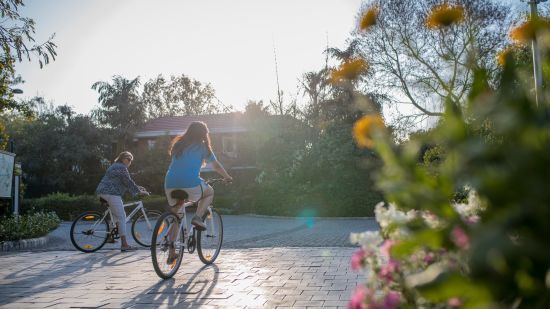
6	173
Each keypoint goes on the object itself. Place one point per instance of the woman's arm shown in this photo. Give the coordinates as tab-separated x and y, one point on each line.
219	168
128	182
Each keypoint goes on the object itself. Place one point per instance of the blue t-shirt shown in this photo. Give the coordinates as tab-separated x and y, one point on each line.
184	171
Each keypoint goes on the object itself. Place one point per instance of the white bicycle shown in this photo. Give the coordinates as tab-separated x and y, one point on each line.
172	236
91	230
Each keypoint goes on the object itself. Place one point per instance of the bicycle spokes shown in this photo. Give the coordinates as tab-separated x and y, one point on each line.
89	232
209	242
167	246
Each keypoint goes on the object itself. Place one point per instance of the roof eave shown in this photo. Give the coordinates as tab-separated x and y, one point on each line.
178	132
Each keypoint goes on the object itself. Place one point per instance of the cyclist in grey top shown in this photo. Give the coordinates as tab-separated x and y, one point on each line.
112	187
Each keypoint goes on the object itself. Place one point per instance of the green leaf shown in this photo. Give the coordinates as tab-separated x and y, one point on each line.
439	286
427	238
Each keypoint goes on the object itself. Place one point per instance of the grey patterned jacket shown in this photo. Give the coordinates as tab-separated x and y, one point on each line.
116	181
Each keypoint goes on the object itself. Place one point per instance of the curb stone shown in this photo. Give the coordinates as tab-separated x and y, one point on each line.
23	244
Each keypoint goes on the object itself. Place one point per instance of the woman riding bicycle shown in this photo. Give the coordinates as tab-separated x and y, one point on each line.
112	187
189	152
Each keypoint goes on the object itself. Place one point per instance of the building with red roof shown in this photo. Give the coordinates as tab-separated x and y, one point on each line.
228	134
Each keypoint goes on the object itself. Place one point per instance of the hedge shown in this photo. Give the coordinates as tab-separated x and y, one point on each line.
68	207
27	226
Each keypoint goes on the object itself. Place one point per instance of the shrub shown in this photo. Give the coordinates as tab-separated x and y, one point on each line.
489	252
493	251
27	226
67	207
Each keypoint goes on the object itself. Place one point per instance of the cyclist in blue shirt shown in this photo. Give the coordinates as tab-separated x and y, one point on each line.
189	153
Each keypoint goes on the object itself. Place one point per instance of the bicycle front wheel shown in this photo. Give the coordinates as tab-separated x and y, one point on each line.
167	246
143	225
89	232
209	242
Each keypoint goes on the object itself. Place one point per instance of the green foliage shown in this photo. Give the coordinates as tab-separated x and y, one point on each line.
179	95
304	168
499	147
27	226
59	151
67	206
121	109
63	204
15	38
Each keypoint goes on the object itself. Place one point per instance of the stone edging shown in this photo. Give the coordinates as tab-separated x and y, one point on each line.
23	244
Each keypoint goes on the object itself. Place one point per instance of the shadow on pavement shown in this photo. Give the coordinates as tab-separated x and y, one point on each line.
197	290
36	277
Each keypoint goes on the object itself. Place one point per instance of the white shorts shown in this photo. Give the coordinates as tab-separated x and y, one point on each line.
194	194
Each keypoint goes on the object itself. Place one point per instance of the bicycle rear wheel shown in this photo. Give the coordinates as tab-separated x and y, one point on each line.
163	250
142	227
209	242
89	232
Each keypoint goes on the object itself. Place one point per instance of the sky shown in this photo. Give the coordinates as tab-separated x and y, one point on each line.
229	44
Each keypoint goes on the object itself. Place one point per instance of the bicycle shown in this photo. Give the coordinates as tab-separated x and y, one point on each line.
207	242
91	230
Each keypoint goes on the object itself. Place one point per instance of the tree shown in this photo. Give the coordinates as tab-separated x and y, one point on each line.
180	95
16	37
60	151
422	67
121	109
17	40
316	86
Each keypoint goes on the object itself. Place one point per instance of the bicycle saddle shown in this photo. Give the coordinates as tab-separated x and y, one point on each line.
103	201
179	195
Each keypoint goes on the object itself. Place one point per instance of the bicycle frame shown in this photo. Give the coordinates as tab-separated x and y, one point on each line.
184	227
128	217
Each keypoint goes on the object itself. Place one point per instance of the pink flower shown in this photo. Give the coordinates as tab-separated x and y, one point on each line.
429	258
391	300
386	272
460	238
472	220
359	296
357	259
454	302
386	246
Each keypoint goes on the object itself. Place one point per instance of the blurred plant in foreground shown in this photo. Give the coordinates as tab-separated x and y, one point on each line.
492	251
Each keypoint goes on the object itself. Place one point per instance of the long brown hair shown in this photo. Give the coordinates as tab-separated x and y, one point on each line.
197	133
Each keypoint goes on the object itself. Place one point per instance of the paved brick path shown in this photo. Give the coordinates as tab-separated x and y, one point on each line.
265	232
240	278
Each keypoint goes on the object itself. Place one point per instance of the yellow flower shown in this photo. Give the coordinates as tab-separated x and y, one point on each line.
504	54
369	18
526	32
365	128
444	15
349	70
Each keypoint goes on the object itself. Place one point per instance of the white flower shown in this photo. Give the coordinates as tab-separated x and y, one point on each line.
472	208
368	238
432	220
385	217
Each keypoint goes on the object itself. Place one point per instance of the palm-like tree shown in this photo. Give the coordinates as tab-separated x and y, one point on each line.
315	85
121	109
350	52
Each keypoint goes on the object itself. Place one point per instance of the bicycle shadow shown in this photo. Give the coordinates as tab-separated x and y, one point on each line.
197	290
